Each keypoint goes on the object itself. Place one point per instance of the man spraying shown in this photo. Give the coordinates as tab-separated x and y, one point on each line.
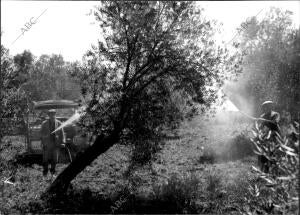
51	142
269	114
269	125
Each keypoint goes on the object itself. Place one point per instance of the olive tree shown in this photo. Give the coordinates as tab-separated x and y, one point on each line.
150	52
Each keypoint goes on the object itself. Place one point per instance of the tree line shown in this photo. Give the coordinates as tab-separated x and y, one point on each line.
271	62
26	78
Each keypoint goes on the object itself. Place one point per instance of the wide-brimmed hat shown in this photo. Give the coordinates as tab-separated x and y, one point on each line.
52	111
267	103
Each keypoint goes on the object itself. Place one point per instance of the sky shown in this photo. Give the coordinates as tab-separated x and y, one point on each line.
63	27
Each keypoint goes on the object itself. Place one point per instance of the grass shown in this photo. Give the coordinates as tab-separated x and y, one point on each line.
177	181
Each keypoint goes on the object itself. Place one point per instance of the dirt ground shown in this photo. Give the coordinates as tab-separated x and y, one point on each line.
182	155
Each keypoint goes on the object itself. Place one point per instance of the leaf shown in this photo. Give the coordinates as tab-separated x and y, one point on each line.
291	153
287	148
278	135
271	182
269	135
285	178
255	169
257	147
256	152
254	133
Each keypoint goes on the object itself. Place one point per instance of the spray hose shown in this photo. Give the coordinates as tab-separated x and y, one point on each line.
257	118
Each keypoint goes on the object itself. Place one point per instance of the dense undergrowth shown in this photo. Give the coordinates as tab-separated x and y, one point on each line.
178	194
187	176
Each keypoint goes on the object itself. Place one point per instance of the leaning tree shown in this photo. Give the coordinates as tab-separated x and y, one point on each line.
150	52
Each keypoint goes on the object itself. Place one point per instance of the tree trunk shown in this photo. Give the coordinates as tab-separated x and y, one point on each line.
100	146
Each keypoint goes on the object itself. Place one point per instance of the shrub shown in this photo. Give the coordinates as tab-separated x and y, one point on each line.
238	192
276	191
144	152
177	195
214	184
74	201
240	147
208	155
213	196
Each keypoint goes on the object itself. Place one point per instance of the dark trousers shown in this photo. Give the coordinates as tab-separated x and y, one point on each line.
50	156
46	166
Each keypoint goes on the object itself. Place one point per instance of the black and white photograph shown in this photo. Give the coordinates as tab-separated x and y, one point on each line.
150	107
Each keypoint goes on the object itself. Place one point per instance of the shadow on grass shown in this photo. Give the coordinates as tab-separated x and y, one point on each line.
87	202
178	195
74	201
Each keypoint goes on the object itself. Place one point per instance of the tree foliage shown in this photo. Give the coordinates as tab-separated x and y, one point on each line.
50	79
149	52
271	67
13	102
25	79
